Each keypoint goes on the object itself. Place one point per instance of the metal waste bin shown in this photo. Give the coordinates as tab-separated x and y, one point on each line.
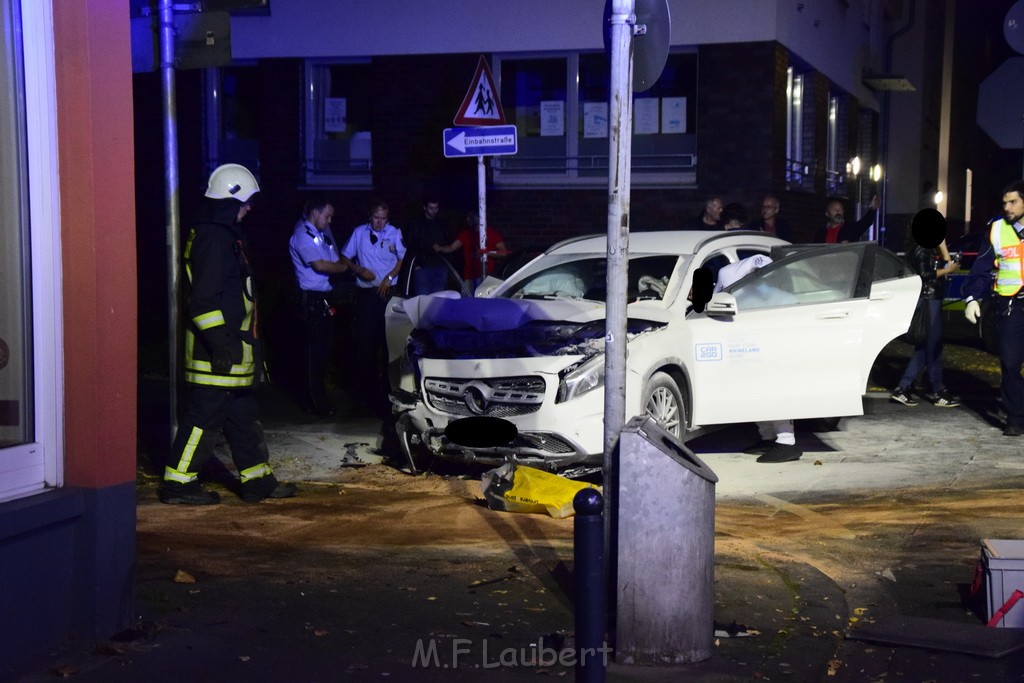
664	540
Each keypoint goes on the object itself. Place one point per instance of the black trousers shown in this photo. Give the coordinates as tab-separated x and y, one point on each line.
318	339
1011	357
208	411
371	349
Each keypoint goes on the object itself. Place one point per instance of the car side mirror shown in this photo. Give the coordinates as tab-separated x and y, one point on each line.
722	304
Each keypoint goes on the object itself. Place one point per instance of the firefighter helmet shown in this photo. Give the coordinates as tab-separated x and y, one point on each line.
232	181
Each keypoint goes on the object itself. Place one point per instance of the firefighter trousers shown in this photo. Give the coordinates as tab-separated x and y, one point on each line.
209	411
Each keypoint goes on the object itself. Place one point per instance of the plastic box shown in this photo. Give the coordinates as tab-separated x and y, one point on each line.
1004	573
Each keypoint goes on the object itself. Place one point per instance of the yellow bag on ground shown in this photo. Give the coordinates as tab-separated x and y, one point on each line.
516	488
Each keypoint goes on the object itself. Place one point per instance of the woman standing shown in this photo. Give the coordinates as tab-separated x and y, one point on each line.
928	355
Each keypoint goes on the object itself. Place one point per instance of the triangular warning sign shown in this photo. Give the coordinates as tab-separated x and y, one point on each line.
481	106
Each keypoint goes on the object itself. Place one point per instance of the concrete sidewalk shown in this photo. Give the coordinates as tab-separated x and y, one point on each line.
881	520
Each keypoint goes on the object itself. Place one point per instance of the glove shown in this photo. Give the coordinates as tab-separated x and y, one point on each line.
221	362
973	311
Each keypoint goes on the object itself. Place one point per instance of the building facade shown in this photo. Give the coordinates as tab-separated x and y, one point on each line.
67	372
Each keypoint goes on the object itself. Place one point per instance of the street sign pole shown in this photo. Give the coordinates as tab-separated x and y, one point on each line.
619	146
171	187
481	179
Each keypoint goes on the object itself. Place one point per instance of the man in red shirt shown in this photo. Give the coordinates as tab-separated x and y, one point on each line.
837	230
469	240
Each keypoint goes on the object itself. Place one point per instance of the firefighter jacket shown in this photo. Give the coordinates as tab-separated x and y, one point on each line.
221	307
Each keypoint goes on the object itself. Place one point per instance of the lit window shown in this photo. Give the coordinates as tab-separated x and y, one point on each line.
338	121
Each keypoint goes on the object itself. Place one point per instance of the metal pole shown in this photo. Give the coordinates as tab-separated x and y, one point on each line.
481	180
171	189
619	146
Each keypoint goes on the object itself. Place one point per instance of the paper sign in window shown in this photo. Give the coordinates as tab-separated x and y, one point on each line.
595	119
645	116
335	114
552	117
673	115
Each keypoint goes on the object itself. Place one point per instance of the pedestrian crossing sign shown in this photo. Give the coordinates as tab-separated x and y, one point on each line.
481	106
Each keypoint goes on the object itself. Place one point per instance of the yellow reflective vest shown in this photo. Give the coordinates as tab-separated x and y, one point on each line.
1009	252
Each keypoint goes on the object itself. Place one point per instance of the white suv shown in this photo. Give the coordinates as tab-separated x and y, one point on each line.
794	339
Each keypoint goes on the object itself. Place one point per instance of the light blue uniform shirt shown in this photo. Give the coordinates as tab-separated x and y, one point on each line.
306	245
377	251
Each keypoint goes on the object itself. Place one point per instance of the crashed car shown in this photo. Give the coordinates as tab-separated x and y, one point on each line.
794	339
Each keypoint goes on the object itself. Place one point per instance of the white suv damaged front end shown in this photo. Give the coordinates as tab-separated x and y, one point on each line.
545	377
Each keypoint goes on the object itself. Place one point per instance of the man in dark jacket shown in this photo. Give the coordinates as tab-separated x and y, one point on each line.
837	230
222	352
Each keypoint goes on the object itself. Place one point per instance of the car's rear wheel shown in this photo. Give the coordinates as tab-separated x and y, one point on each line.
664	402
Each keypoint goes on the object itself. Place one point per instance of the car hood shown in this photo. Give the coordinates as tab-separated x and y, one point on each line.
511	328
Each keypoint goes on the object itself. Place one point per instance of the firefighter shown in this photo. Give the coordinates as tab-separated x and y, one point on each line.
222	351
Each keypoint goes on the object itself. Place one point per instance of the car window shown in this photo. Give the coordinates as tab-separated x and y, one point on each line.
820	278
585	277
888	266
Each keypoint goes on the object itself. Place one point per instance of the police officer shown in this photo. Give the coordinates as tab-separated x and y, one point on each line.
315	259
222	353
374	252
1005	254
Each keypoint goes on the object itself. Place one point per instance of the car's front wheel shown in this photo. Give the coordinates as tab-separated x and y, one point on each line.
664	402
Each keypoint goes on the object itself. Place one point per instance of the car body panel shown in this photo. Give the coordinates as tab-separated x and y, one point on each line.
517	352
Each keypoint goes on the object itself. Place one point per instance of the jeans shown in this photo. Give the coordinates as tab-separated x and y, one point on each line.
929	355
428	279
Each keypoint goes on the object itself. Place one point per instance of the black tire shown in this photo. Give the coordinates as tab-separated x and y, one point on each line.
664	402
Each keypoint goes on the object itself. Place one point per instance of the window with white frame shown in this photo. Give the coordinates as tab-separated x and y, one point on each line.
338	123
232	98
30	360
559	104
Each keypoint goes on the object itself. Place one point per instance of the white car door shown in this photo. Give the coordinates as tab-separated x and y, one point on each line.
797	343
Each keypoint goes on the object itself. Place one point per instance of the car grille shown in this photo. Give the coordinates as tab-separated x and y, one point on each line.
541	442
493	397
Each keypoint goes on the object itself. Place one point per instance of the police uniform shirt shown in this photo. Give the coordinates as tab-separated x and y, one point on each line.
377	251
306	245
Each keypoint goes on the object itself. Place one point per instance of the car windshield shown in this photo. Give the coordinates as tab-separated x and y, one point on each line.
584	276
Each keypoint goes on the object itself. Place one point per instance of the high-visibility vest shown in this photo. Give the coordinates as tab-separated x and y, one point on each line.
1009	253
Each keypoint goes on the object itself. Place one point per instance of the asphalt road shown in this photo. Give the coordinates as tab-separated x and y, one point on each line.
882	519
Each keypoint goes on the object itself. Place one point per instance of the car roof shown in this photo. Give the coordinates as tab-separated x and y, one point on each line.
666	241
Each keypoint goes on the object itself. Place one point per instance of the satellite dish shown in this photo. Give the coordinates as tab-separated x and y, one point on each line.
1013	27
650	43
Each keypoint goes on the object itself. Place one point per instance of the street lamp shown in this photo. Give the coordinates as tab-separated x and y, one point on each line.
877	232
853	168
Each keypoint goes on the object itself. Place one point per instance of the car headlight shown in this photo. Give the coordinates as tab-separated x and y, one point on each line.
581	379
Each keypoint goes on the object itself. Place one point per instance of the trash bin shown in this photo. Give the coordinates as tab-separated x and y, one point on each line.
664	540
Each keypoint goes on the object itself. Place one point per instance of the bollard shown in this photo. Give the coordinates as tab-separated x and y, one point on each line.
588	566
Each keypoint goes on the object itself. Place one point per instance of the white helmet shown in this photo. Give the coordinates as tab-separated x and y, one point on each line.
232	181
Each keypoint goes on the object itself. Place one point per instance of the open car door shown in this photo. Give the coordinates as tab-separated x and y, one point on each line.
797	338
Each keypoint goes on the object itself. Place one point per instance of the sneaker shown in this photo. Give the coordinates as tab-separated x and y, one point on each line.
781	452
281	490
1012	430
188	496
900	395
944	399
758	448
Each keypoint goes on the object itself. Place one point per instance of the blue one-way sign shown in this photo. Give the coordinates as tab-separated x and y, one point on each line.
480	141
